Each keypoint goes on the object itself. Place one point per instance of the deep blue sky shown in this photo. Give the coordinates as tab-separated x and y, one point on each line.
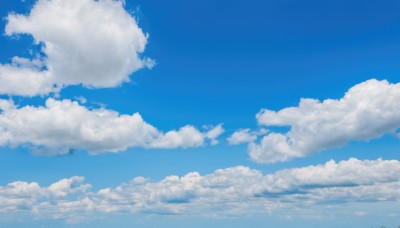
221	61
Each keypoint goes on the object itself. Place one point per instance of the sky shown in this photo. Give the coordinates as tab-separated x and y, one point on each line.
199	113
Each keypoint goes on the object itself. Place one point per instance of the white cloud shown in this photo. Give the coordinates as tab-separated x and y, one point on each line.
233	191
6	104
245	136
187	136
63	125
94	43
27	196
25	80
367	111
214	132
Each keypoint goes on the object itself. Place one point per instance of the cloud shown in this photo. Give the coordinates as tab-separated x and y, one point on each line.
233	191
187	136
367	111
63	125
214	132
245	136
25	80
94	43
22	195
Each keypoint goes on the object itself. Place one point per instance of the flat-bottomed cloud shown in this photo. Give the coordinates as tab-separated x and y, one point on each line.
367	111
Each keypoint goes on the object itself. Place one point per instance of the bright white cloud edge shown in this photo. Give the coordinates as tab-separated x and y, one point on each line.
232	191
367	111
94	43
64	125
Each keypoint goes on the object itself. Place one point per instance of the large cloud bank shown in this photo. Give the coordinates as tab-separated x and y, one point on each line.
236	190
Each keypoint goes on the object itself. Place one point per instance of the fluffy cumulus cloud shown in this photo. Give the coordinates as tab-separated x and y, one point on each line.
63	125
368	110
235	190
22	195
94	43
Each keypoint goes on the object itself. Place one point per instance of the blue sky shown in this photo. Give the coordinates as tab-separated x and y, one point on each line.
212	62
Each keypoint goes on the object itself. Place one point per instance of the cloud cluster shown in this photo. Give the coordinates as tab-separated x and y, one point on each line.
236	190
63	125
367	111
20	195
94	43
